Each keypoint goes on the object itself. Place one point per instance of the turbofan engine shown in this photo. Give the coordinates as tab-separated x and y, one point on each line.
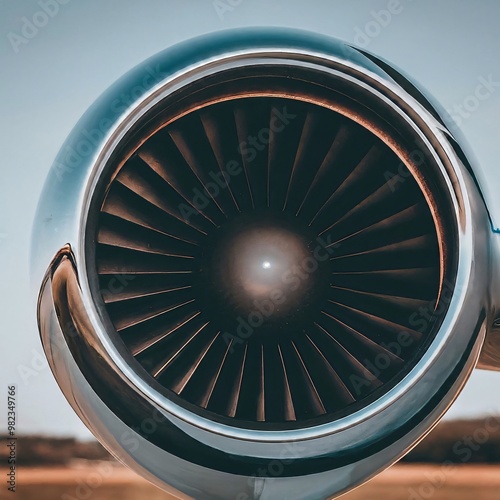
266	267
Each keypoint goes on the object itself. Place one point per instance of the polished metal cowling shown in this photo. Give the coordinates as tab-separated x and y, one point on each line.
173	212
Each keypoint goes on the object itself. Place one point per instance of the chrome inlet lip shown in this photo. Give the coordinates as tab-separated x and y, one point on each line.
287	57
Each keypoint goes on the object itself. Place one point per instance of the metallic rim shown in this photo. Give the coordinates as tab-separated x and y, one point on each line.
345	111
151	100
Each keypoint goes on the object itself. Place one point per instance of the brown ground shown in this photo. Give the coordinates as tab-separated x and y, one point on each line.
402	482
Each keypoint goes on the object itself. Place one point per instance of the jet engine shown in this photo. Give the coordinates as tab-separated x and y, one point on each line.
266	266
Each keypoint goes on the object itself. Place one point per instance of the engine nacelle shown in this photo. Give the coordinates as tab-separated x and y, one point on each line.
270	267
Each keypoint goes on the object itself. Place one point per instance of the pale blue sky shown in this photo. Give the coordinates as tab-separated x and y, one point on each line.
47	84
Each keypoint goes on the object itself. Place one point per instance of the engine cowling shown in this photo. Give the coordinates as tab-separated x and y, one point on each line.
269	267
